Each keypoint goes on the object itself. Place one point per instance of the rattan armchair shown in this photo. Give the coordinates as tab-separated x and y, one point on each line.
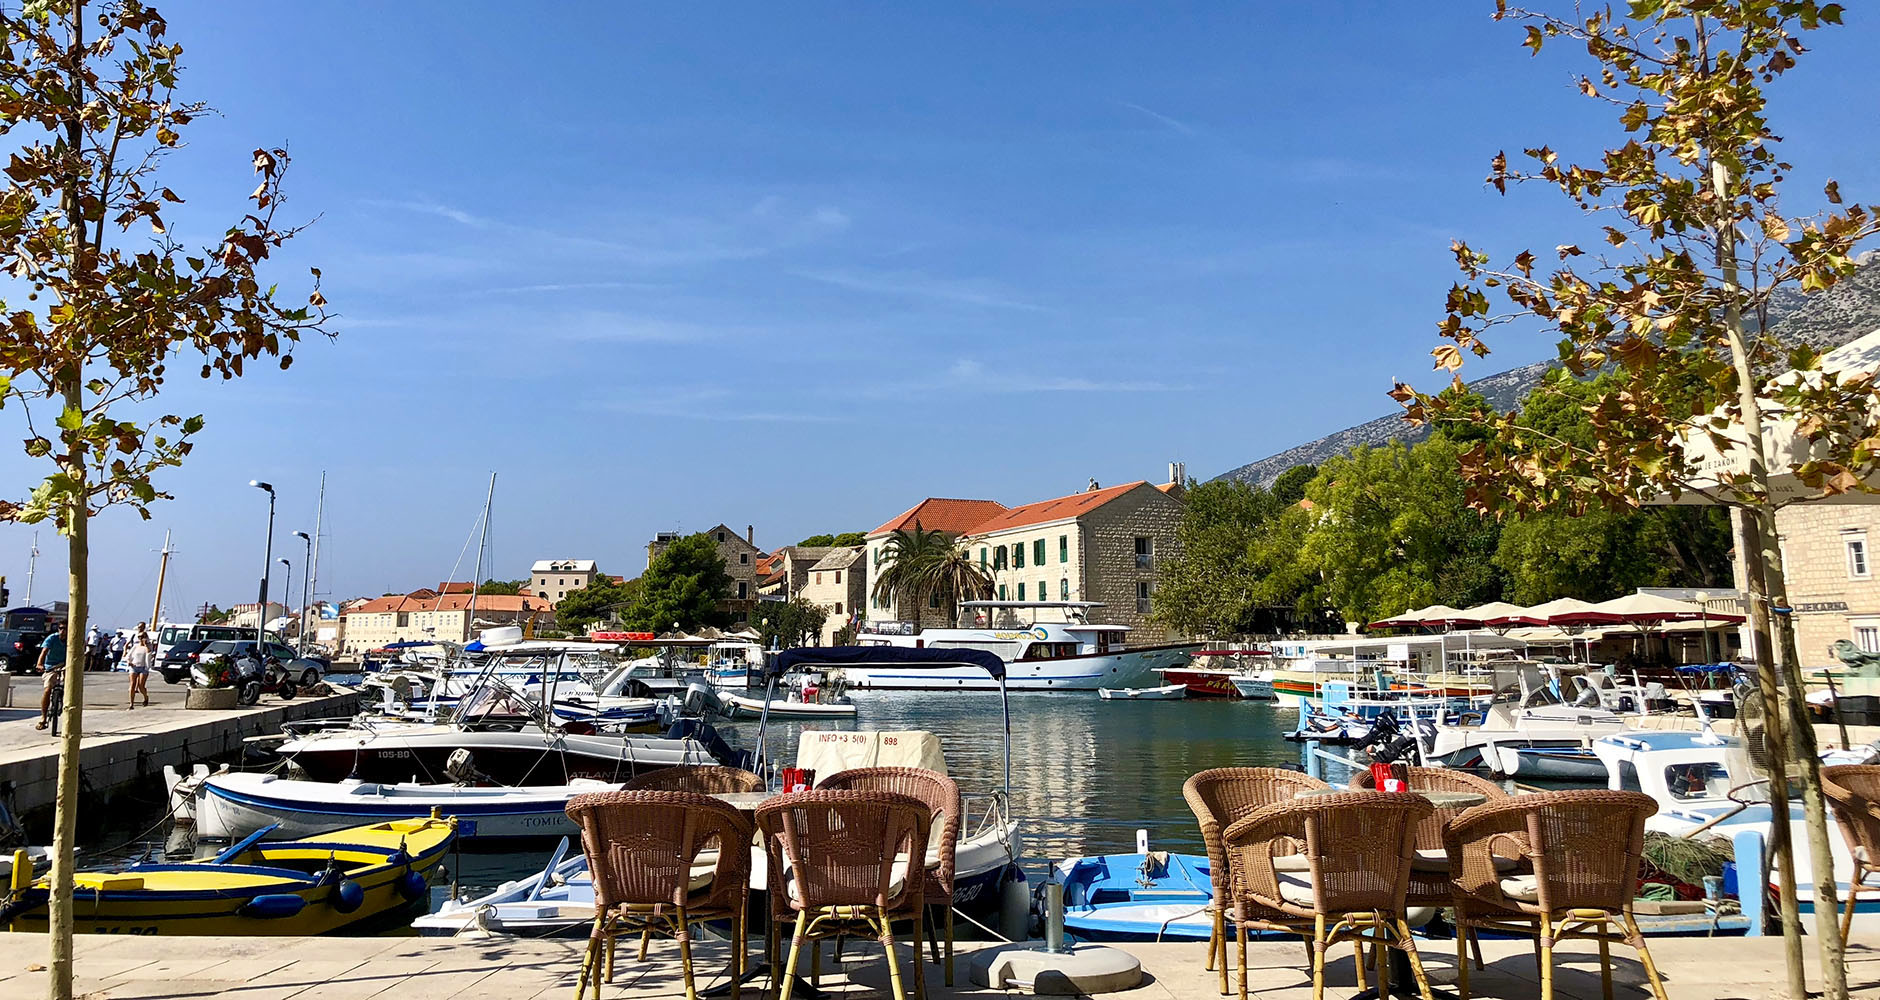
1855	791
843	862
1429	871
705	780
645	854
1584	847
1220	797
941	795
1358	849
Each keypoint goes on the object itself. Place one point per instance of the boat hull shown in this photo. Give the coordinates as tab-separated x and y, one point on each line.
752	708
1134	667
1169	692
1204	683
263	898
505	757
234	805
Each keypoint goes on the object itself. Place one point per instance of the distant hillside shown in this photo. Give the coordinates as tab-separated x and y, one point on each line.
1849	310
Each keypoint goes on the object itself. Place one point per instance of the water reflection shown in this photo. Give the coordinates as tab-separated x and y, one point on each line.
1086	773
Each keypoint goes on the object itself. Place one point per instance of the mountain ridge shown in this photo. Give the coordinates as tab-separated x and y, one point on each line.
1849	310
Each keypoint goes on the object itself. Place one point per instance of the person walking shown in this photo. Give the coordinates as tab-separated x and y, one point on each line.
52	668
117	650
137	656
97	650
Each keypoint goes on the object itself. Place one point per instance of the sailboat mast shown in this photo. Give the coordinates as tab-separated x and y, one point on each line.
476	579
32	563
313	575
163	569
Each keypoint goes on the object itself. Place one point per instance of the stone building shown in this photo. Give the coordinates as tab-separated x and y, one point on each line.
1833	586
740	553
838	582
1103	545
552	579
426	615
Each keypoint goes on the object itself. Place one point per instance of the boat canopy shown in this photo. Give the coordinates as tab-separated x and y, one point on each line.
813	657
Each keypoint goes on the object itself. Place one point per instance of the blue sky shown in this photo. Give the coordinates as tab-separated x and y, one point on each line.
662	266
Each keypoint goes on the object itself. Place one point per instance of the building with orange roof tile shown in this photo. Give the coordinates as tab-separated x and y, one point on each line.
426	615
1103	544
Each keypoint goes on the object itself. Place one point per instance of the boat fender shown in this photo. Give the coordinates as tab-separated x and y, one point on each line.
411	885
346	896
273	906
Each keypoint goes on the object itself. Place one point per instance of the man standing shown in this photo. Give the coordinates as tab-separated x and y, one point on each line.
117	650
52	665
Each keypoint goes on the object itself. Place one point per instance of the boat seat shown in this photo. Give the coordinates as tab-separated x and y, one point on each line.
107	881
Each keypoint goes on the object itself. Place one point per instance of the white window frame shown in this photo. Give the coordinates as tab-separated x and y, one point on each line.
1854	546
1868	624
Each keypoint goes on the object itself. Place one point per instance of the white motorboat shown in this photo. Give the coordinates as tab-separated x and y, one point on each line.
1254	686
746	707
1705	785
1067	654
1167	692
235	804
1526	730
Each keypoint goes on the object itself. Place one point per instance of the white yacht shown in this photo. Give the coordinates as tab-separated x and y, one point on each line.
1046	645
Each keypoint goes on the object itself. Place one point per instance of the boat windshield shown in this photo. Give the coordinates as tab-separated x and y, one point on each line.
1700	780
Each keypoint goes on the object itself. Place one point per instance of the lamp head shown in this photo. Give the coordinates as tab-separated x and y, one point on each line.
258	484
303	536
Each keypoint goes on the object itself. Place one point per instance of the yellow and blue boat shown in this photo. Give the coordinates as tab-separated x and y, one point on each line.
379	874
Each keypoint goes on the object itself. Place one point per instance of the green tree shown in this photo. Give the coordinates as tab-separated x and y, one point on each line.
683	586
953	576
905	557
1675	310
845	539
501	587
600	601
1290	487
89	108
1212	587
1390	530
788	624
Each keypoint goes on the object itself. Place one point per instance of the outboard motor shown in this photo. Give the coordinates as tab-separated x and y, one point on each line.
461	766
701	701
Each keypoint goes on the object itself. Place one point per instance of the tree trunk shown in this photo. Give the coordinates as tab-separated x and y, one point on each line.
1775	743
1814	807
65	815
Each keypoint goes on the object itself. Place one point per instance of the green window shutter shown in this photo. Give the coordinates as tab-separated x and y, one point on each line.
1064	548
1018	555
1037	552
1021	590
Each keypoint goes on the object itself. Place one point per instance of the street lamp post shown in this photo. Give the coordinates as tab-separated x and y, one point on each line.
267	567
287	587
306	590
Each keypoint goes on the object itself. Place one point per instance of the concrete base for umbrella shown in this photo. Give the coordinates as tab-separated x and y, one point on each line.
1079	969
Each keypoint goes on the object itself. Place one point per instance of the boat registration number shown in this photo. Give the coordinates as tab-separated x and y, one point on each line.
123	930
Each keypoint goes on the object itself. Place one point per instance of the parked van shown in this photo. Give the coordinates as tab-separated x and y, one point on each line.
170	632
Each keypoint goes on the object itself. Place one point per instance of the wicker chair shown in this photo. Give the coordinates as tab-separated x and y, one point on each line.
644	853
1584	847
833	858
1855	791
1220	797
708	780
1358	848
1429	873
941	795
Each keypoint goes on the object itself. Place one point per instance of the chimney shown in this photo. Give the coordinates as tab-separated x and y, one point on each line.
1178	473
750	535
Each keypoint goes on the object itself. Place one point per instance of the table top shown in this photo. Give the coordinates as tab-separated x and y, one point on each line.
745	801
1438	798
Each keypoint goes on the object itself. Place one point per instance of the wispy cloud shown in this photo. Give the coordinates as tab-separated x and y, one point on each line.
915	284
1174	123
570	286
971	374
456	215
708	403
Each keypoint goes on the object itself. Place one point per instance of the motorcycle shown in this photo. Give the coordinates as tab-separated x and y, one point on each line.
250	673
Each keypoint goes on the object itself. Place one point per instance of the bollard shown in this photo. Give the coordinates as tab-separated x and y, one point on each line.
1142	841
1054	917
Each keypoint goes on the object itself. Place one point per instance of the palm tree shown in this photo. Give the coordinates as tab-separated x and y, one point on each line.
955	577
905	558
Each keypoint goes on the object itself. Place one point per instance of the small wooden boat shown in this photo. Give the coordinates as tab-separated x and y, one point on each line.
377	874
1167	692
240	802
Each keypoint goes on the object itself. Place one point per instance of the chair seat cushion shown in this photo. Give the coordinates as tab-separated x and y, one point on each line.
1437	861
1525	888
1296	889
897	881
1291	863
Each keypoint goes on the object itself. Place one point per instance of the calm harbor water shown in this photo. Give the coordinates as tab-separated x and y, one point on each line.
1086	773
